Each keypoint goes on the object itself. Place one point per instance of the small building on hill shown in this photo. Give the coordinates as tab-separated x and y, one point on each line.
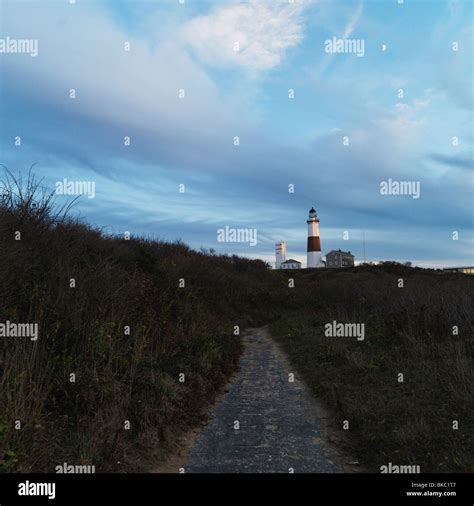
338	258
463	270
290	264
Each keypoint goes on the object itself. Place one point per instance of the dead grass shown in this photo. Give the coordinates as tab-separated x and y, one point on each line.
408	331
119	376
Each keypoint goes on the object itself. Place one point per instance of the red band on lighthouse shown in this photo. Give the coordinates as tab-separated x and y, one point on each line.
314	244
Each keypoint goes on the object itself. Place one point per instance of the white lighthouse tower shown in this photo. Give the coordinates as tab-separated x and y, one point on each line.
280	254
314	258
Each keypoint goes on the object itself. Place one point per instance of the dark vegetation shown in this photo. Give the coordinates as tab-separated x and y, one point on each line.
119	377
408	330
134	377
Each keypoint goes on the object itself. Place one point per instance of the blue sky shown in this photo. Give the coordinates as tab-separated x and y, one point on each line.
283	141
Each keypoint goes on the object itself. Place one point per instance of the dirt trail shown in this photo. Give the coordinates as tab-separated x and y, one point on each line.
281	427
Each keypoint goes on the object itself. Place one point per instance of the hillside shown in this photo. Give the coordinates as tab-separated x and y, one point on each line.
136	338
140	314
405	387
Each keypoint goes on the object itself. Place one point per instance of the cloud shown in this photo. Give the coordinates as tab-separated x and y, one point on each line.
460	161
118	93
453	37
264	31
353	21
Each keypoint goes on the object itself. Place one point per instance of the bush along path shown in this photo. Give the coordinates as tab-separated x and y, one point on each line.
266	422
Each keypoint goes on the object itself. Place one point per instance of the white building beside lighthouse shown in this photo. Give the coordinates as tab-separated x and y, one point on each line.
314	258
280	254
291	264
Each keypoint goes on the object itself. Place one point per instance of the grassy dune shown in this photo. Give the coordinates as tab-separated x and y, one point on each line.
408	330
120	376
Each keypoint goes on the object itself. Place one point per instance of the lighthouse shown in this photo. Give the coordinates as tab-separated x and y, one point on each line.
314	244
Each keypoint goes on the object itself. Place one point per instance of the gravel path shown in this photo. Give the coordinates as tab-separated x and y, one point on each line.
279	429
